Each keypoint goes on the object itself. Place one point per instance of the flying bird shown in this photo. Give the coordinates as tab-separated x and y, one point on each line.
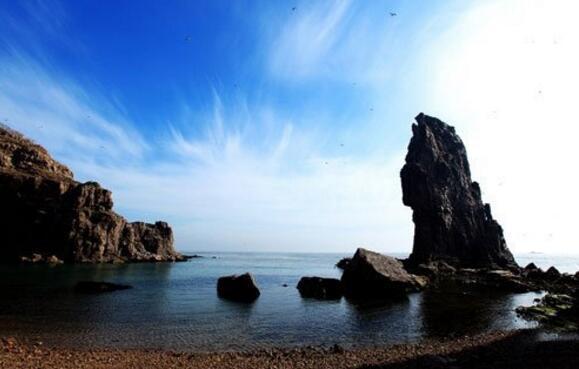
392	14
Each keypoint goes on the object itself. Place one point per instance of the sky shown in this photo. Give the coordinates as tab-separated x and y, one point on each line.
283	125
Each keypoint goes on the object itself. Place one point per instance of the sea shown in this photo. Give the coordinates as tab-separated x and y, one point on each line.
175	306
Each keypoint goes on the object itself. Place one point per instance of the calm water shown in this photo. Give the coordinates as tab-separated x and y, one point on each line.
175	306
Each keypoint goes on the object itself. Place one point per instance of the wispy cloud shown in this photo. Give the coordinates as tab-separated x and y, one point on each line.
63	116
262	184
308	37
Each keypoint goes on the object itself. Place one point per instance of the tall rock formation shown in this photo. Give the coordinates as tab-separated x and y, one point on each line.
45	211
451	222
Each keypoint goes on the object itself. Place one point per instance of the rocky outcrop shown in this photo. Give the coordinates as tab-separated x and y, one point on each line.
320	288
374	276
451	221
46	212
241	288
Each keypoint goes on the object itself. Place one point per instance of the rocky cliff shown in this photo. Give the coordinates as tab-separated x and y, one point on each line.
46	212
452	223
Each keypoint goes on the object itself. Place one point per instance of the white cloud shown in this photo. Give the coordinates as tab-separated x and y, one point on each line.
345	41
507	78
62	116
308	37
260	185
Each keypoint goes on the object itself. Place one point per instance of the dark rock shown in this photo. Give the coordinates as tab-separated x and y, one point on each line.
505	280
46	212
320	288
451	221
337	349
533	273
343	263
238	288
577	276
433	269
552	273
98	287
375	276
554	310
531	266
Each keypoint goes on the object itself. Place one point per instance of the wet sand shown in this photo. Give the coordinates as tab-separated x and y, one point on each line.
515	349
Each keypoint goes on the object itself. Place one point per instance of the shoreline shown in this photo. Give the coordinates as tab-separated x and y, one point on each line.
515	348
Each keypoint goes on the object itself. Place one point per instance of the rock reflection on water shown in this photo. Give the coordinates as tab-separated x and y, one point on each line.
176	306
454	312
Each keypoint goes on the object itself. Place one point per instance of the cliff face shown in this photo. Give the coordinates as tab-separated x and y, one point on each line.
451	222
45	211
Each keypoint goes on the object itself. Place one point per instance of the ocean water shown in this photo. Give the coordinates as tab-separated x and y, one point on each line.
175	306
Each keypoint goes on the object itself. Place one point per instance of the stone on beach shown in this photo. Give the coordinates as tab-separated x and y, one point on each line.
240	288
50	216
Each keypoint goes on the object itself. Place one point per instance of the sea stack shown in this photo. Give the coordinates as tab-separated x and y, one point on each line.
452	224
47	215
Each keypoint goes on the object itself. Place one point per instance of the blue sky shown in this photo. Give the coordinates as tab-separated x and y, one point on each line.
282	125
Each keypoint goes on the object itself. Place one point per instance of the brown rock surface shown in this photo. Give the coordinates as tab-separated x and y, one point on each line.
46	212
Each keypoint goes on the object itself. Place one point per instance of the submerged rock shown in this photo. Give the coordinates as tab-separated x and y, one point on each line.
238	288
451	221
554	310
47	213
99	287
376	276
320	288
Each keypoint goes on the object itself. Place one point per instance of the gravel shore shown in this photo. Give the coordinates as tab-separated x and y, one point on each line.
518	349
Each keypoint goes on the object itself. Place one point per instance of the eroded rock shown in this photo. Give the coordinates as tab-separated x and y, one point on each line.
451	221
47	213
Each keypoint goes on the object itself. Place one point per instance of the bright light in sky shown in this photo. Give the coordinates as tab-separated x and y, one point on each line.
258	127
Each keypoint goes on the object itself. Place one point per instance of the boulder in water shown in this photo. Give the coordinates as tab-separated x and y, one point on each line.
371	275
320	288
238	288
